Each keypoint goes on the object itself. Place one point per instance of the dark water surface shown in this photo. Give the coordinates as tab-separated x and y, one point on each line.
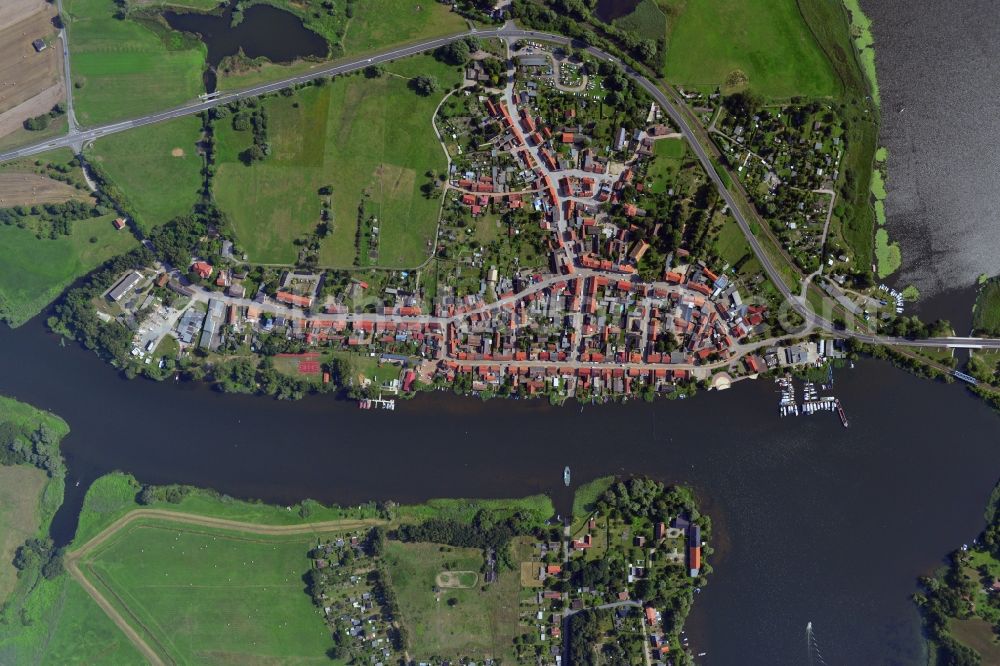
813	522
938	73
265	31
609	10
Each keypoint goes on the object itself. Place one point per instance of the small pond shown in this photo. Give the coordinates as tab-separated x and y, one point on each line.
265	31
609	10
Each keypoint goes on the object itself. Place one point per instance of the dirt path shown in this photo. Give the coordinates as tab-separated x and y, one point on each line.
76	557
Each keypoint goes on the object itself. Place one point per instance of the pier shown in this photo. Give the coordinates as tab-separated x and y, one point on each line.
377	403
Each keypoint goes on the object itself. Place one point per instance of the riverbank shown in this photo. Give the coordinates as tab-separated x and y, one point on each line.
959	602
190	537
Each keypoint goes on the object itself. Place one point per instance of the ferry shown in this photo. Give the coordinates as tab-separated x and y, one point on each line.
566	476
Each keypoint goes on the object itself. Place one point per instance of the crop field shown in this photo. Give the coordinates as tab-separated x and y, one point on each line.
455	621
156	166
18	188
125	68
205	595
378	24
24	72
766	40
33	271
379	143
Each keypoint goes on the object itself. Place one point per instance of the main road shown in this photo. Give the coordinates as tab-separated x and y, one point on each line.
77	137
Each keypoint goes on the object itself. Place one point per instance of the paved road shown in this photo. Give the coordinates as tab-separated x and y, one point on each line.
507	32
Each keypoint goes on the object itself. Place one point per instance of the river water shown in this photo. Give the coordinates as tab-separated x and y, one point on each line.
813	522
937	75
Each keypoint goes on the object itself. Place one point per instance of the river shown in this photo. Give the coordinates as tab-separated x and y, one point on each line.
937	74
813	522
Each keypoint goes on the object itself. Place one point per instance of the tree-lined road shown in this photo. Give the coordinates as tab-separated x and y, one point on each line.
77	137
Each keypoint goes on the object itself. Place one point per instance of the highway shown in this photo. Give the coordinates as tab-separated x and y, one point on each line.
77	137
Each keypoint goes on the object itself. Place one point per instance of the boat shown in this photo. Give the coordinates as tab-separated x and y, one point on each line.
843	416
566	475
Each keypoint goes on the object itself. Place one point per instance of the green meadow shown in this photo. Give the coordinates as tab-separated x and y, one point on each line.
205	595
452	622
369	139
379	24
767	40
157	167
34	271
127	68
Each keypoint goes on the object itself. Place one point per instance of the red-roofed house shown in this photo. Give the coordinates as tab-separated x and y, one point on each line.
202	268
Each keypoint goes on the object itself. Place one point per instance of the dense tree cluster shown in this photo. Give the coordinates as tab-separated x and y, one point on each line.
40	122
573	18
37	446
489	529
58	217
424	84
40	554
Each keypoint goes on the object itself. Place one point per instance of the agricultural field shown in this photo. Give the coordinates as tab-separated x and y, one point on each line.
762	44
378	24
34	271
445	615
157	167
379	143
200	594
32	81
125	68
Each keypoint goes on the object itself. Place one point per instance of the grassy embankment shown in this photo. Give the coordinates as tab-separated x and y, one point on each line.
35	270
157	167
361	136
43	620
126	68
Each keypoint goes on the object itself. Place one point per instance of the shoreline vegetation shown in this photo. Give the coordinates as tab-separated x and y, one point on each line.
408	567
960	602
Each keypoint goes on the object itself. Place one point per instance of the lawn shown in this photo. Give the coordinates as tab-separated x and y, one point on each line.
157	167
33	271
378	140
766	40
205	595
669	154
379	24
125	68
453	622
986	315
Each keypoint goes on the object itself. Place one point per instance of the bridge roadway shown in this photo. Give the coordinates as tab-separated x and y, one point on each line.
83	136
